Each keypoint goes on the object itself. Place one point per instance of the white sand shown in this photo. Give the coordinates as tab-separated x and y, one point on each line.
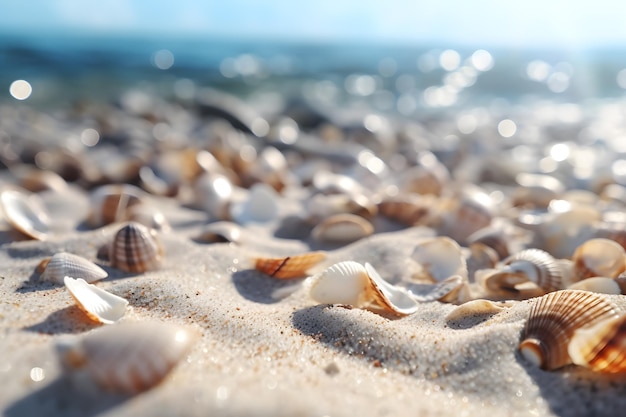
266	348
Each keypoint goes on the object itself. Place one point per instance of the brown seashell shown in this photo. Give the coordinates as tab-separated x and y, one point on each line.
342	228
552	321
321	206
598	258
289	267
110	203
492	237
534	265
135	249
601	346
408	209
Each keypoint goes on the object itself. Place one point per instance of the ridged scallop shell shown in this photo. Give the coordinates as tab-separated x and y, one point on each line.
135	249
602	285
552	321
361	286
260	206
408	209
289	267
127	357
109	203
342	228
439	258
64	264
601	347
533	265
26	213
598	258
100	306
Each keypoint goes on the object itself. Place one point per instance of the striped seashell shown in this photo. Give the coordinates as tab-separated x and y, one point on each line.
290	266
601	346
135	248
342	228
361	286
537	266
408	209
552	321
26	213
601	285
99	305
598	258
439	258
109	203
64	264
128	357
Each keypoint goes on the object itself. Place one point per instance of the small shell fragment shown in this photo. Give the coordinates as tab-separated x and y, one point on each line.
601	347
475	308
342	228
290	266
394	299
126	357
64	264
25	213
135	249
100	306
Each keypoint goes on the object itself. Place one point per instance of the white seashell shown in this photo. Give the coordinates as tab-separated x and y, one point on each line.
127	357
25	213
475	308
565	231
447	290
602	285
260	206
465	213
64	264
599	258
99	305
321	206
391	297
342	228
213	193
439	258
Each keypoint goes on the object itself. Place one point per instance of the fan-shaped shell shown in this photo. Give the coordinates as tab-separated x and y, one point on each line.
100	306
64	264
25	213
127	357
135	249
533	265
290	266
602	346
439	258
599	258
342	228
552	321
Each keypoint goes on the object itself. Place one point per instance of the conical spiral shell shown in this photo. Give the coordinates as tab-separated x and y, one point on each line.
64	264
552	321
602	346
290	266
135	249
127	357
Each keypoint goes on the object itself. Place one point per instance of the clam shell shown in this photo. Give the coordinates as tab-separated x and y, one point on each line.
25	213
599	258
127	357
439	258
64	264
290	266
321	206
342	228
602	285
109	203
601	347
135	249
393	299
565	231
99	305
552	321
149	216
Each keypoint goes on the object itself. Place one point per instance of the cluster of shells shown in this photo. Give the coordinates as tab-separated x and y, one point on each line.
496	234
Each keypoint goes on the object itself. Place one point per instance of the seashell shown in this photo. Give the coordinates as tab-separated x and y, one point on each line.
149	216
612	231
289	267
439	258
128	357
213	193
601	346
100	306
110	203
25	213
565	231
430	177
220	232
552	321
493	237
361	286
64	264
480	256
408	209
321	206
536	190
155	183
475	308
260	206
598	258
533	265
327	182
602	285
270	167
465	214
36	180
342	228
448	290
135	249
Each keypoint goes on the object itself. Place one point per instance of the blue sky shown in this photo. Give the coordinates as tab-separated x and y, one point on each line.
482	22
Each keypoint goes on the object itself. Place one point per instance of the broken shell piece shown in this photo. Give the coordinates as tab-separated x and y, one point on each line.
135	249
439	258
602	285
127	357
601	347
552	321
65	264
447	290
361	286
342	228
260	206
100	306
290	266
598	258
476	308
25	213
220	232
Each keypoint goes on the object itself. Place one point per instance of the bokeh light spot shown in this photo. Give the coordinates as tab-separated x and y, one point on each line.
20	89
507	128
